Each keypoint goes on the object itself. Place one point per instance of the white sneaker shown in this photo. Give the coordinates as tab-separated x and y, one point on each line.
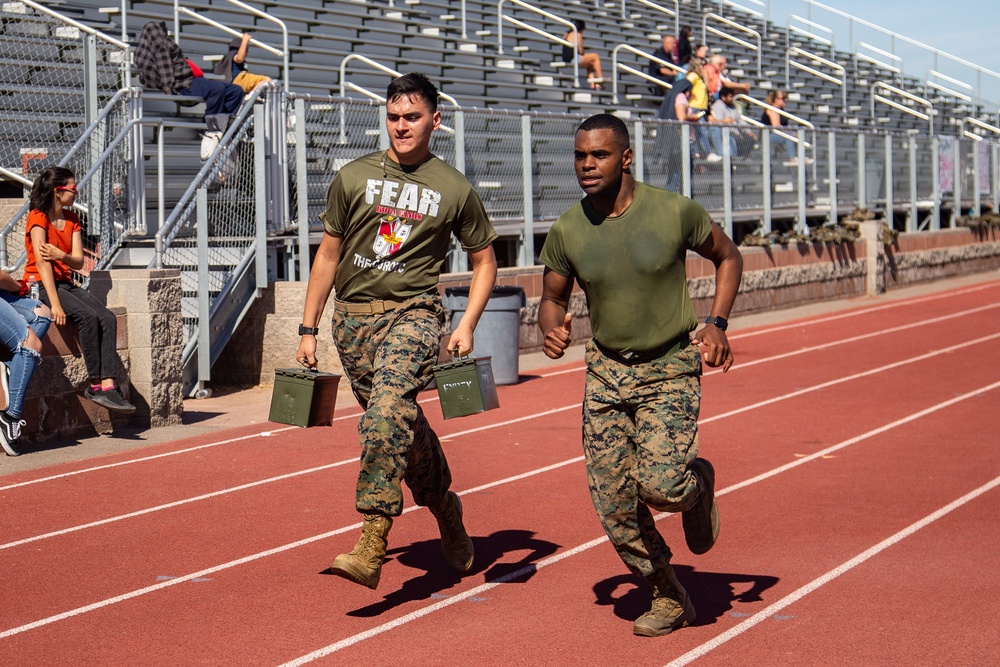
794	162
713	157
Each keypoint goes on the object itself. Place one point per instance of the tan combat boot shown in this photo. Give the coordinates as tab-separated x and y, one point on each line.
672	609
364	564
455	542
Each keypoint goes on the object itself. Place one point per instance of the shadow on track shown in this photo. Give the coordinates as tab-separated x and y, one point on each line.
436	576
713	593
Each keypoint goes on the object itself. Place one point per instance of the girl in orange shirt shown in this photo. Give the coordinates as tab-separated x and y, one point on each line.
54	243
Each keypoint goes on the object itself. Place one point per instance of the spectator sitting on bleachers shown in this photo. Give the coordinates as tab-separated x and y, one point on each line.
591	61
54	244
162	66
666	53
23	323
233	67
777	99
717	77
724	112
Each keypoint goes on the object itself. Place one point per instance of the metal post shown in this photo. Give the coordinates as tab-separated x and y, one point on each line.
889	195
383	133
911	222
956	209
995	180
727	181
765	149
685	160
160	180
89	78
302	187
456	263
526	253
638	144
976	207
801	154
204	298
936	182
831	139
260	196
862	186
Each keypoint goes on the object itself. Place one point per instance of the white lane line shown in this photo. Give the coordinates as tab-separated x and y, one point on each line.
252	557
562	372
862	311
445	438
860	337
372	632
543	563
820	581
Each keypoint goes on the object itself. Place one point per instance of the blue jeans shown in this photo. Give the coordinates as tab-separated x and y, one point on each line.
13	332
25	307
790	146
715	134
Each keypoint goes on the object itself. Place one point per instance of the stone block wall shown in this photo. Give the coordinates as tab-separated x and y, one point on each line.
774	277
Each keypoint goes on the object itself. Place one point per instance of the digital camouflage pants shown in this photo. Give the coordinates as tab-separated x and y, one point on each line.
640	432
388	359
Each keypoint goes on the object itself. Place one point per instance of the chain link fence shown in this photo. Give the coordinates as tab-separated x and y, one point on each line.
47	64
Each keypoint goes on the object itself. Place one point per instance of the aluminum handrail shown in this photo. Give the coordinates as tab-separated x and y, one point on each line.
733	24
780	112
934	85
913	42
382	68
875	61
675	12
978	123
206	169
805	33
773	130
789	63
108	107
615	66
555	38
929	116
752	12
76	24
251	10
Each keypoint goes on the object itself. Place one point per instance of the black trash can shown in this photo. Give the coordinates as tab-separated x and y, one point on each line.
498	333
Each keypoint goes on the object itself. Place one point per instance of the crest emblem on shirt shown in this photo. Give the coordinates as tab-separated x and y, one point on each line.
392	233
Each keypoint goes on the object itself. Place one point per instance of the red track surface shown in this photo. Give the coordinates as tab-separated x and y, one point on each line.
857	471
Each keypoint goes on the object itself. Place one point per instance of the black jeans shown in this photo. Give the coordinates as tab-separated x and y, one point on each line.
98	328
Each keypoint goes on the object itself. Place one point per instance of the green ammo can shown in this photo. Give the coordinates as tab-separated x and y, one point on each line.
303	397
465	387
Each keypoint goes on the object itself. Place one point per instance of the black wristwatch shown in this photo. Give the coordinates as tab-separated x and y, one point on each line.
719	322
308	331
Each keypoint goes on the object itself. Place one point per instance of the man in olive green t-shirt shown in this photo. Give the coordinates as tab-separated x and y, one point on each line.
625	243
388	223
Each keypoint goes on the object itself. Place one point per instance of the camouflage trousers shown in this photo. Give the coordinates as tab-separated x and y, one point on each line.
388	359
640	432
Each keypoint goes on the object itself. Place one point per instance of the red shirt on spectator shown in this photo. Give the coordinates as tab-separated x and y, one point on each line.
60	238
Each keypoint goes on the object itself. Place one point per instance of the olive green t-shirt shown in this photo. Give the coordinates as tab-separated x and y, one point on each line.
396	225
631	267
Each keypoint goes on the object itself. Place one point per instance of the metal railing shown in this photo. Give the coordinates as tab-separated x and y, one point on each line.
792	28
896	69
789	64
894	36
705	30
932	84
501	17
109	182
675	12
929	116
615	66
763	14
283	54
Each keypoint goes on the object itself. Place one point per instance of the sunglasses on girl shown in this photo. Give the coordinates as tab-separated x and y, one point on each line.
66	188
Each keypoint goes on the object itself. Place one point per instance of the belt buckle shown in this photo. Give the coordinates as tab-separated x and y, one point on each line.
377	307
630	355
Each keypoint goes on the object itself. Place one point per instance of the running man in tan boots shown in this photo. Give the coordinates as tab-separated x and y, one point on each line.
389	220
625	244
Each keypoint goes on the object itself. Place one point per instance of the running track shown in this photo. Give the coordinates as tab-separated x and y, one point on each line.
857	466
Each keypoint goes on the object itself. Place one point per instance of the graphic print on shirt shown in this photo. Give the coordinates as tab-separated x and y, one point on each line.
392	234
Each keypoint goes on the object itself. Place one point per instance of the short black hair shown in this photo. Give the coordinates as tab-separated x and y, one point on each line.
726	90
580	24
605	121
413	83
